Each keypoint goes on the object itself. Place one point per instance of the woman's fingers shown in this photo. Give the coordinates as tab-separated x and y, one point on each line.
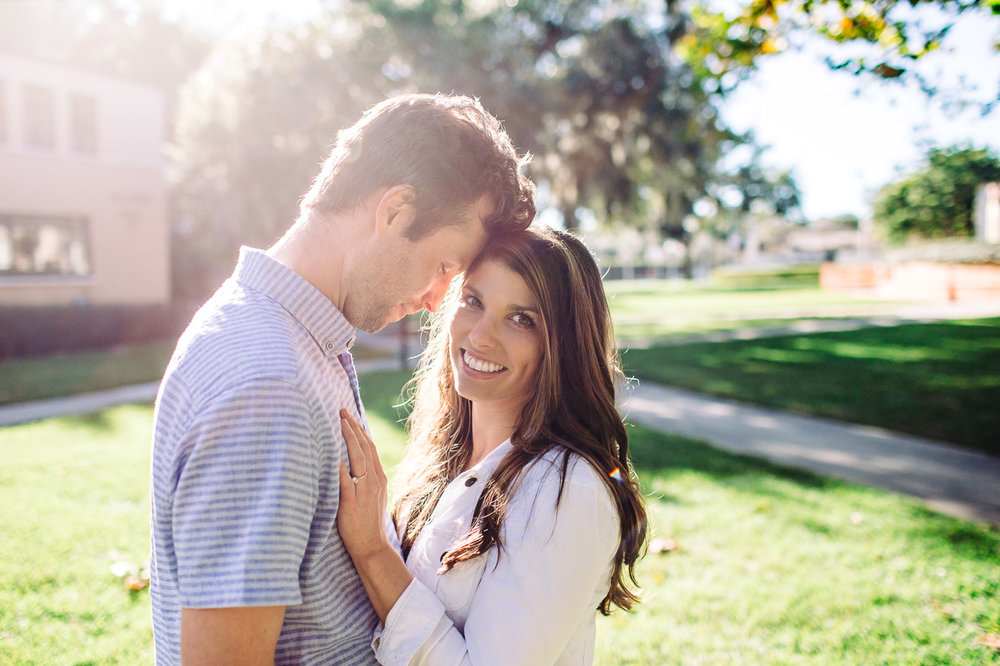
361	450
346	485
361	515
357	455
374	464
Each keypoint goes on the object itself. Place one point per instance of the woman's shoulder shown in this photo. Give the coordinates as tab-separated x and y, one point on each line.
580	500
545	475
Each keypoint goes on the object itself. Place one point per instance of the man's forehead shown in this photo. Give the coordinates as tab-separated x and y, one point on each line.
475	238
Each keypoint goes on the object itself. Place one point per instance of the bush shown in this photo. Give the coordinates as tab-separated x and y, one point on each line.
937	201
47	330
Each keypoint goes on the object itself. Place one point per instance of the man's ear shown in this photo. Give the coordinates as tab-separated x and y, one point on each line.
395	211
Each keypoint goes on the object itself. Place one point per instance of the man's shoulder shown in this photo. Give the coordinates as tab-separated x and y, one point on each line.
238	336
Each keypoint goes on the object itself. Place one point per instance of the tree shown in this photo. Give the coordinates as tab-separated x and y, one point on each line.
937	200
880	38
618	124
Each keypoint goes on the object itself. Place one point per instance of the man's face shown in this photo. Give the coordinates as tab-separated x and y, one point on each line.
407	276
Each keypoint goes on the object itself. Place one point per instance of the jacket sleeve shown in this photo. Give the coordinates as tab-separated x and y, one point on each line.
531	599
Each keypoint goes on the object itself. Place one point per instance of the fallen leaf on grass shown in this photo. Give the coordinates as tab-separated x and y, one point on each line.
135	583
989	641
133	578
662	546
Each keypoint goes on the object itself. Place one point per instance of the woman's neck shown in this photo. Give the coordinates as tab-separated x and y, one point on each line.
492	425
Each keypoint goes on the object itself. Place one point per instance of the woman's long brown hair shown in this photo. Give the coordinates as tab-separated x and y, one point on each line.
573	406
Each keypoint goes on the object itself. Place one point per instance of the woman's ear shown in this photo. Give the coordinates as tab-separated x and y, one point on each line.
395	211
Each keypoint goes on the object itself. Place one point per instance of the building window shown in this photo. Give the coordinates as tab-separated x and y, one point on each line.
36	245
39	117
83	111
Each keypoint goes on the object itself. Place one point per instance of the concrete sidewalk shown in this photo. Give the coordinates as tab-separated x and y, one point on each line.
951	480
86	403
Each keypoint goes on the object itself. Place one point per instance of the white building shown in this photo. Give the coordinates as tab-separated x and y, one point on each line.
82	193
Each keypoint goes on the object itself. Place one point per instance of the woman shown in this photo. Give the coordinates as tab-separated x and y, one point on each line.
517	512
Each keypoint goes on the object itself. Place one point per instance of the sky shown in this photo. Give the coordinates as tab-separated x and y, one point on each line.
842	137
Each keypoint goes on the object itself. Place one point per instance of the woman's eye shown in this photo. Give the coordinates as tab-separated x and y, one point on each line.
525	320
469	301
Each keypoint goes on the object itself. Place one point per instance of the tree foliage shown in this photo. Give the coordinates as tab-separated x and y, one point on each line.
937	200
882	38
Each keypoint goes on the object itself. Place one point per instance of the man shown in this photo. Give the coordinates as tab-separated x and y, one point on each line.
247	564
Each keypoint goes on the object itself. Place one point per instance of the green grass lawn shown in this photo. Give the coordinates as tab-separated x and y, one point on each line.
73	499
940	380
771	566
651	309
66	374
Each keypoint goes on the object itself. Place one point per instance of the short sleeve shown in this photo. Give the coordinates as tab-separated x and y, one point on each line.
245	497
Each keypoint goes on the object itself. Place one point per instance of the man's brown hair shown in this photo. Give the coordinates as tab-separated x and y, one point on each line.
447	147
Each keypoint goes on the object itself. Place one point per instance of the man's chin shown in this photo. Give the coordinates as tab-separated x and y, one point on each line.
372	325
375	321
368	328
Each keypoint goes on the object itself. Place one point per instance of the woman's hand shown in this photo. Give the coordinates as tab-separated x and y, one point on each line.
363	494
361	520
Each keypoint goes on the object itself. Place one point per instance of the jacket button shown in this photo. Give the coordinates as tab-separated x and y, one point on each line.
471	481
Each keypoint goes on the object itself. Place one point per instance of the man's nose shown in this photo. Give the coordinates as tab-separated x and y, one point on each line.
435	295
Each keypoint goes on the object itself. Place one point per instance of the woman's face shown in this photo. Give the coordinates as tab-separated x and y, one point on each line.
496	337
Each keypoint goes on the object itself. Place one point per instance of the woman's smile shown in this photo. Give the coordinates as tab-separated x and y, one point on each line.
480	365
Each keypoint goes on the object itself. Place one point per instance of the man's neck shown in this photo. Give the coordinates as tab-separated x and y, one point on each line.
308	248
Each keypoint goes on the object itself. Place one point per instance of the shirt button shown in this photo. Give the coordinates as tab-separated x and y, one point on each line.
329	346
471	481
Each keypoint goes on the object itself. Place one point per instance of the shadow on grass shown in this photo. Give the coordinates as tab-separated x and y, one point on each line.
962	538
95	422
662	454
657	453
929	380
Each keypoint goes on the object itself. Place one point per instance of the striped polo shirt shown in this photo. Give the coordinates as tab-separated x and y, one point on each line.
246	449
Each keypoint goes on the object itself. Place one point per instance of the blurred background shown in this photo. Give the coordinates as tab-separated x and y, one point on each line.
143	142
796	204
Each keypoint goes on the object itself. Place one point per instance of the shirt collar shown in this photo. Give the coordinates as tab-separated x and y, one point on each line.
485	467
260	272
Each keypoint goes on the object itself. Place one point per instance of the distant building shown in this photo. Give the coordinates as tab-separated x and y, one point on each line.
82	192
987	213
